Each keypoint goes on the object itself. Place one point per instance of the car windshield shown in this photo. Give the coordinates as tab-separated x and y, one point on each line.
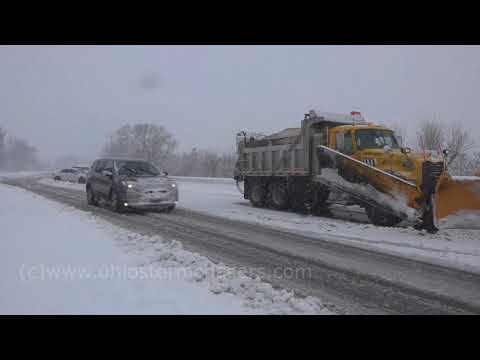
136	168
376	139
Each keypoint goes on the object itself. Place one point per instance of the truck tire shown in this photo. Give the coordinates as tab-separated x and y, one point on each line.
300	192
380	218
278	195
257	195
319	203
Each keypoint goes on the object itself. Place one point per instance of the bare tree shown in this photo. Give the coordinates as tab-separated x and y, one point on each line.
458	142
147	141
466	164
3	148
21	155
434	135
431	135
200	162
212	161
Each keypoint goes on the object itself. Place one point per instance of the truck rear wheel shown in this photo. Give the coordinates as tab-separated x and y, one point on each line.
279	195
381	218
321	196
257	195
299	191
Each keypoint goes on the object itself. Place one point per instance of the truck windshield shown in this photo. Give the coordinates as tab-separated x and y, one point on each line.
376	139
136	168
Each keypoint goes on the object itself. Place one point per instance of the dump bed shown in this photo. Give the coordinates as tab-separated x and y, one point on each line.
289	151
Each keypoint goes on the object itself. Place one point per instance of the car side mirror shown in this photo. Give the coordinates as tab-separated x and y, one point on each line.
107	173
406	150
165	173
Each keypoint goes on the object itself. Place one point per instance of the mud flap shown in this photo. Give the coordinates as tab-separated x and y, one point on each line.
240	185
457	203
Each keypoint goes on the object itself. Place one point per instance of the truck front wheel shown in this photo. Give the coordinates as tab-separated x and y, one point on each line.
381	218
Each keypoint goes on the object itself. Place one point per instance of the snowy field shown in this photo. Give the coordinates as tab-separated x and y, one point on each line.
20	174
59	260
458	248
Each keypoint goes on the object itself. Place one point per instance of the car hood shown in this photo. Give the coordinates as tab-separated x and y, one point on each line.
157	182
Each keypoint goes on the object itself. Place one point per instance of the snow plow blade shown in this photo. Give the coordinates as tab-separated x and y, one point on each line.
369	185
457	202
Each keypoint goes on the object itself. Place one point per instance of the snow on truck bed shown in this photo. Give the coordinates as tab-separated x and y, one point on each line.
59	260
458	248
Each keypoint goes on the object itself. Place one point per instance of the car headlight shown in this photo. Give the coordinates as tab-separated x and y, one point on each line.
127	184
174	185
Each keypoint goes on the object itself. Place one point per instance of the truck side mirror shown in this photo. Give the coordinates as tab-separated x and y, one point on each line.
107	173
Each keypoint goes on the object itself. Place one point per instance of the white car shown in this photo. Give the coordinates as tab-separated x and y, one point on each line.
84	169
72	175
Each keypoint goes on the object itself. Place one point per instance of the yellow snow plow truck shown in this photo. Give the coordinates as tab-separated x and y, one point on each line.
297	168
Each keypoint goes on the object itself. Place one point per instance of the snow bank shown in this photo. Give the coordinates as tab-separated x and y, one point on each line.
458	248
62	184
19	174
466	178
466	219
67	261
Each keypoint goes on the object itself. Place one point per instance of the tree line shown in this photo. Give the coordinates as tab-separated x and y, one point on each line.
17	154
461	143
154	143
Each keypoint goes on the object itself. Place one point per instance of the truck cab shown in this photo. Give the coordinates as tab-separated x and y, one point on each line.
378	146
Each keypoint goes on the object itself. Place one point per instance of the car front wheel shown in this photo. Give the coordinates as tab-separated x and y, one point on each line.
115	203
91	197
170	209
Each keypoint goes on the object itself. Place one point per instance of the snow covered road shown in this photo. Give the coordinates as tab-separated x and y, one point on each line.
357	281
457	248
59	260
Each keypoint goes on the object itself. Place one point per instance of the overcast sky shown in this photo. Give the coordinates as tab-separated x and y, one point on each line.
68	99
